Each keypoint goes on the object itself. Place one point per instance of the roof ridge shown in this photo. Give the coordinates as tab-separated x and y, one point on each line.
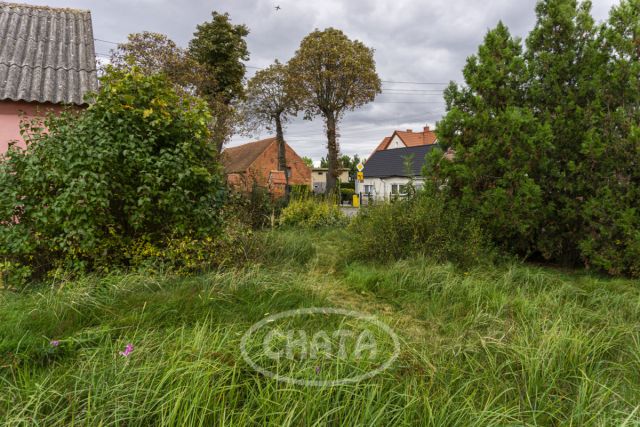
33	67
40	7
249	143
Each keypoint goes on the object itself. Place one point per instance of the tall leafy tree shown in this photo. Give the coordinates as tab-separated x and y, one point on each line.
501	149
350	163
547	141
335	75
270	101
155	53
561	56
308	161
611	240
220	46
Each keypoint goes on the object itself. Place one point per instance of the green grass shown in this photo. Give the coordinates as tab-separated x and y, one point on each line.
510	345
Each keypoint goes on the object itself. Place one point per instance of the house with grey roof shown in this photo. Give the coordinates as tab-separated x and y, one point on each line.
387	172
47	63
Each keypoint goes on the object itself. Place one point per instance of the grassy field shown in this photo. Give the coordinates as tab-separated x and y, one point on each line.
510	345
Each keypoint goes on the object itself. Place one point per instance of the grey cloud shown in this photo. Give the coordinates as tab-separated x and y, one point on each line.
414	40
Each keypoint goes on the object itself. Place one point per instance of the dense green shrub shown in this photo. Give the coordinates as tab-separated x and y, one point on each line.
136	166
257	209
312	213
351	185
547	137
422	225
346	194
186	254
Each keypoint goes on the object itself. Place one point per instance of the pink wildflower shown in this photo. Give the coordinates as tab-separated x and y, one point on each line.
55	343
127	350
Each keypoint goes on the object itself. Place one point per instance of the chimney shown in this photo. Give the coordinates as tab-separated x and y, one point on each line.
410	130
427	129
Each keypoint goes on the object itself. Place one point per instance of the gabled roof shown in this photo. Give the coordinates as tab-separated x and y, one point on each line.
46	54
387	163
384	144
410	139
238	159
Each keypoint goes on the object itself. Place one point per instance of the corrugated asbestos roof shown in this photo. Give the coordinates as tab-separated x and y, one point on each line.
387	163
46	54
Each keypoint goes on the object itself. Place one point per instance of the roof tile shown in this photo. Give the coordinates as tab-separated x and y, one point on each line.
410	139
238	159
387	163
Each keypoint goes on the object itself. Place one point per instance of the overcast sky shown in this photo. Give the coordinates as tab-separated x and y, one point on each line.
420	41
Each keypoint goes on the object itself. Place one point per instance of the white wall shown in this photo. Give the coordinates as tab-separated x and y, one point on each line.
319	179
396	142
382	186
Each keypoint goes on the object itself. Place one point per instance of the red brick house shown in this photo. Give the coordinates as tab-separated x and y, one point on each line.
47	62
256	163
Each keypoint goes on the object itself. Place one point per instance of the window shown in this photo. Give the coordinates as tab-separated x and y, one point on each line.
394	189
368	189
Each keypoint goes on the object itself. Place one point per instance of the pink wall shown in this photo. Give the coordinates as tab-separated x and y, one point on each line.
10	115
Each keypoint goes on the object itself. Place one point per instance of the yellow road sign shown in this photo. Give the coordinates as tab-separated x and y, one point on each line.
360	176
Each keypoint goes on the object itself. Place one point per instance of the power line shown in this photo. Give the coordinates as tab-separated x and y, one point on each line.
414	83
412	90
349	134
105	41
386	124
383	81
408	102
411	94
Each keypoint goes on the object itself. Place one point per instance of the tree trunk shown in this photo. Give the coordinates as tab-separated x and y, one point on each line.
218	137
221	126
282	154
332	154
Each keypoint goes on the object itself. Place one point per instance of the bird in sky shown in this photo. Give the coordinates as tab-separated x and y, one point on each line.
278	8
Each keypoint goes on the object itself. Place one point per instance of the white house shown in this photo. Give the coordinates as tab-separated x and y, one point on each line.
397	160
387	172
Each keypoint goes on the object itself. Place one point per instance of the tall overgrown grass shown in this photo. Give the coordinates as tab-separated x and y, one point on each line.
509	345
422	224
